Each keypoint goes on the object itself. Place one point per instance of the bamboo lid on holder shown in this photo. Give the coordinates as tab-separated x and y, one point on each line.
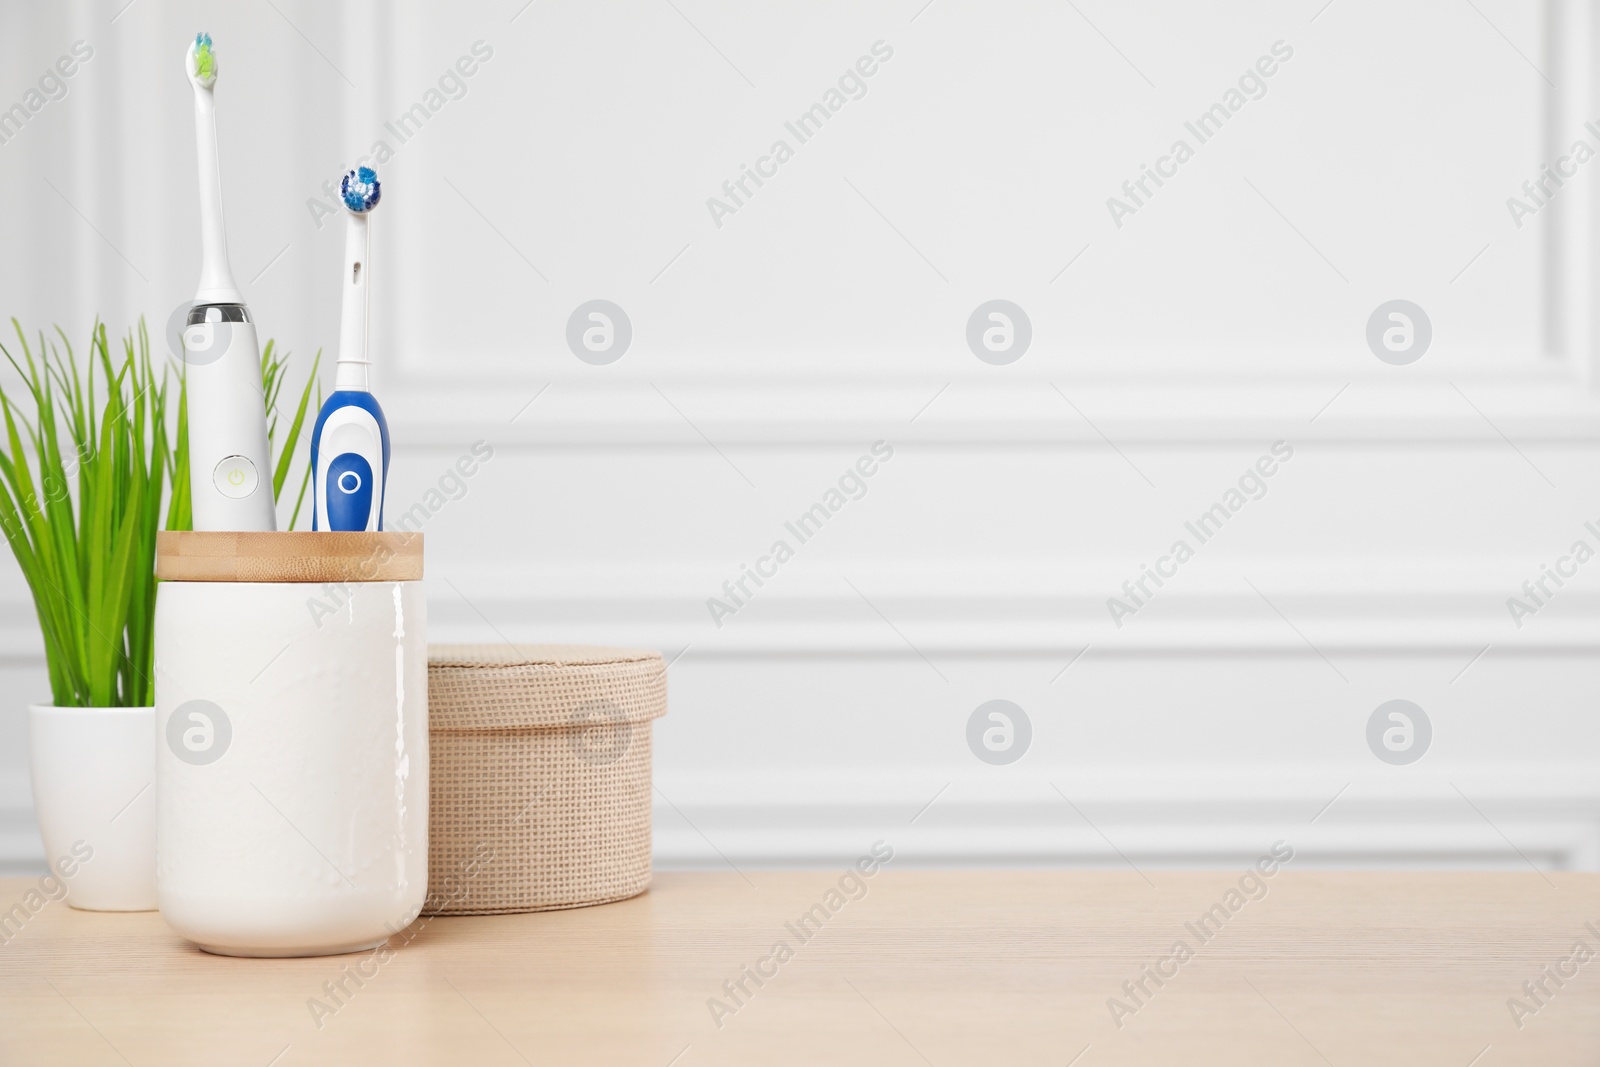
288	556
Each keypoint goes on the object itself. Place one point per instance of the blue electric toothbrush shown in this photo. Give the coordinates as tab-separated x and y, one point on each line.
350	443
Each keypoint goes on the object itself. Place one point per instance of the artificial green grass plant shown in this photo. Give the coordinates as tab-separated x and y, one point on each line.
273	367
90	568
110	466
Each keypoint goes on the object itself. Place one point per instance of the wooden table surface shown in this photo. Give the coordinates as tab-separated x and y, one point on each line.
993	968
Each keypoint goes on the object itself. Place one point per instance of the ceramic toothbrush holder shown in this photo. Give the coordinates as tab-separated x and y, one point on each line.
292	739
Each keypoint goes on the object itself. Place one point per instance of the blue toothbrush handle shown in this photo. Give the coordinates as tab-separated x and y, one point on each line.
350	458
349	493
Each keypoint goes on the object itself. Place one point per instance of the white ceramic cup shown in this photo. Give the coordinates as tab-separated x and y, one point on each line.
292	763
93	772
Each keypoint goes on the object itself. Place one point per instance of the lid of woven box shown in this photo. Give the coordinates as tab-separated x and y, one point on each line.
520	687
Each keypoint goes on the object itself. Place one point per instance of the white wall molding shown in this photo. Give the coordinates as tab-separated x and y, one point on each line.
20	847
967	410
949	608
1152	816
805	330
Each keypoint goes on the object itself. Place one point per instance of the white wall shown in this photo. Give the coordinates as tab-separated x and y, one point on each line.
830	311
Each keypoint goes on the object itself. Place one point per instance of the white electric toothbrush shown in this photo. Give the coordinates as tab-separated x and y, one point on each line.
229	466
350	443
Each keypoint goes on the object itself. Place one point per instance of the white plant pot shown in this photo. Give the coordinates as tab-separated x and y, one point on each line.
94	772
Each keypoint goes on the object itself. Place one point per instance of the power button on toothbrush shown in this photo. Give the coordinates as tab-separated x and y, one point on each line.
235	477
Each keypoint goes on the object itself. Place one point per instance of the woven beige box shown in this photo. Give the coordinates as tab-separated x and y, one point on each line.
540	775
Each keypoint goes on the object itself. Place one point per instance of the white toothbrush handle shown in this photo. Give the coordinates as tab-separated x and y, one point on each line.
230	472
216	277
351	369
